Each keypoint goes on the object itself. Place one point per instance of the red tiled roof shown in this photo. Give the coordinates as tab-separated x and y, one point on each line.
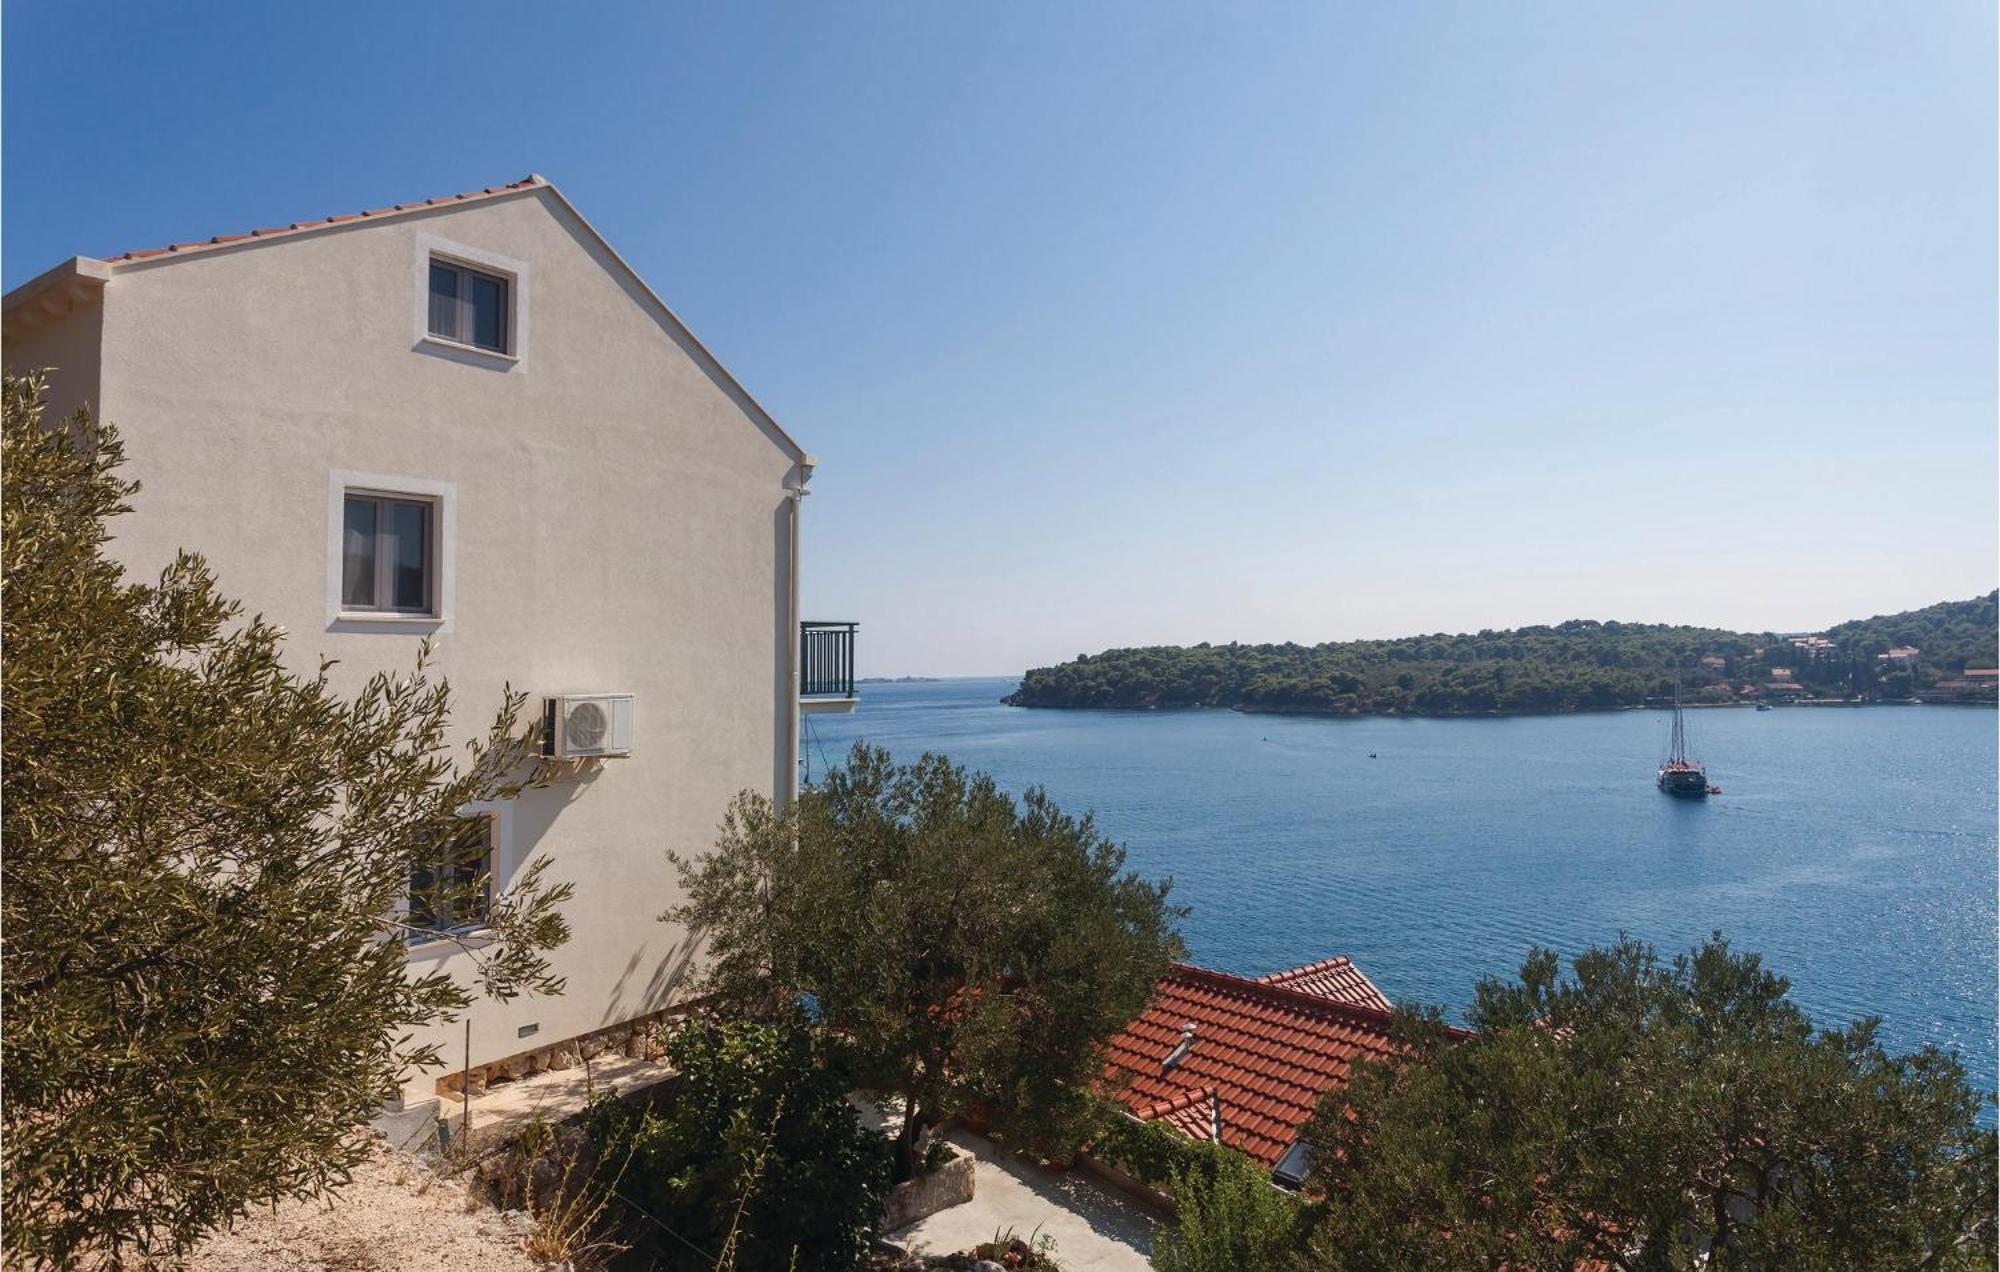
1336	978
1266	1052
139	254
1192	1112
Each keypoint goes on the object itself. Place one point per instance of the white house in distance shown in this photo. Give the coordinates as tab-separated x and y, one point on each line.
468	419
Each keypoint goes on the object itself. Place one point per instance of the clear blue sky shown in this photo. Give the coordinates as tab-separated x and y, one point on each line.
1145	322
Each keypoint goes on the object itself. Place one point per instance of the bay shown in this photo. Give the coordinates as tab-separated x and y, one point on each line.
1854	848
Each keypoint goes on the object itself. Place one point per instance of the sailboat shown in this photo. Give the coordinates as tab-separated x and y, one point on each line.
1680	776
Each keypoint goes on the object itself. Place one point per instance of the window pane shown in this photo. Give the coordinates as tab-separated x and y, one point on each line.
423	889
411	527
444	301
489	311
357	553
473	878
452	888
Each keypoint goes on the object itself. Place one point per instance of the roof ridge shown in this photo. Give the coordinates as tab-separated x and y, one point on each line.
1283	994
530	181
1187	1099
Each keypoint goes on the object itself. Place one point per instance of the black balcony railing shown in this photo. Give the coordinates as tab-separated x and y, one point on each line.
826	660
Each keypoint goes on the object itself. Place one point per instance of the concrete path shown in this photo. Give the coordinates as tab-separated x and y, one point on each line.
1096	1229
504	1109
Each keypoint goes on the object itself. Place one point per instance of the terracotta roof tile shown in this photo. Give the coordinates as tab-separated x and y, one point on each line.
142	253
1266	1050
1335	978
1191	1112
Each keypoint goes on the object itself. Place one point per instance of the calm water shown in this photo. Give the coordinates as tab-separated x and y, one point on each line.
1855	849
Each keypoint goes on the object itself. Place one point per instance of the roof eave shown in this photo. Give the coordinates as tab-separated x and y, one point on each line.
91	274
53	294
140	258
785	440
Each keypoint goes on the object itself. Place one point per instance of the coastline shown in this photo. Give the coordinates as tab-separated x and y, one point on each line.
1496	714
1434	862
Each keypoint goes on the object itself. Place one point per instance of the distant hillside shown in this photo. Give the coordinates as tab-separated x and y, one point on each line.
1953	635
1581	665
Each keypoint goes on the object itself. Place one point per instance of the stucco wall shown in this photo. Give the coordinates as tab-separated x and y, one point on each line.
620	526
68	350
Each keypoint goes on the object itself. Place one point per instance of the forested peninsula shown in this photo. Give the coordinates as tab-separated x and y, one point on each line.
1581	665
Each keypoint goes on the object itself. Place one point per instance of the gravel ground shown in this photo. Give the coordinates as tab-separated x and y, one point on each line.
396	1214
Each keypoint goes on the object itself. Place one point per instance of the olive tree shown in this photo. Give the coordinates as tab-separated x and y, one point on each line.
205	857
966	948
1643	1113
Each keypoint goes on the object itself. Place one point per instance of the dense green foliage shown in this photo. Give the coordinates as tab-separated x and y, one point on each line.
203	852
1228	1218
971	950
1954	635
1642	1114
1154	1153
756	1138
1577	666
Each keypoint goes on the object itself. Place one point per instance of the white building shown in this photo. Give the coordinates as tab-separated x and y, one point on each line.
467	418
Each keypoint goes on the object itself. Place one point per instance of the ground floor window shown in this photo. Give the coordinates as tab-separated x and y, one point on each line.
453	890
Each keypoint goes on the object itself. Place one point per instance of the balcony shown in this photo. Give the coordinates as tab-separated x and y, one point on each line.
826	667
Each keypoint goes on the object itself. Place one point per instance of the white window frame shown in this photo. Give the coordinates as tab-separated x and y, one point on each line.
439	942
443	498
465	310
431	247
384	582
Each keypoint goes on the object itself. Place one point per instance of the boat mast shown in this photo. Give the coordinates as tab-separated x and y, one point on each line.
1679	755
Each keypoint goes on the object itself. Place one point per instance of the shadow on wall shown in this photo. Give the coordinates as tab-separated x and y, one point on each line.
534	811
629	1001
534	814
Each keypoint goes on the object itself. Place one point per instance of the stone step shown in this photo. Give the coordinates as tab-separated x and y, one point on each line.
411	1126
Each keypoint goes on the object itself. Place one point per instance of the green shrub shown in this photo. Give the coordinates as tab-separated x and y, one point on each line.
756	1150
1228	1216
1153	1153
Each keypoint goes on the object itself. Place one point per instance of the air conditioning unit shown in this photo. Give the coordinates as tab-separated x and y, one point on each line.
578	726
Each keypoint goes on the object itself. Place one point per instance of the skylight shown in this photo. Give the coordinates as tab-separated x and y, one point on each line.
1292	1168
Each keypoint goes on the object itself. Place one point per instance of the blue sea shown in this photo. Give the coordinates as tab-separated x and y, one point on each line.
1854	848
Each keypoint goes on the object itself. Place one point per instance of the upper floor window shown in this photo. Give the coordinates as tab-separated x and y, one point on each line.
468	306
471	305
388	554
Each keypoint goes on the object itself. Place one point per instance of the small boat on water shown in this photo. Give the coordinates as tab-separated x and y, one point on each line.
1680	776
1763	706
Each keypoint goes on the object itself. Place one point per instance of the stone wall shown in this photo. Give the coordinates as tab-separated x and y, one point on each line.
913	1199
641	1039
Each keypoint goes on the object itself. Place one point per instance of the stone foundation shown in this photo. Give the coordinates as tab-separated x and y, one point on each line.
641	1039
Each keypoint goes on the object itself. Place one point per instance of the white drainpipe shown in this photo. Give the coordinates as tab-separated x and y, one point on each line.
794	496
